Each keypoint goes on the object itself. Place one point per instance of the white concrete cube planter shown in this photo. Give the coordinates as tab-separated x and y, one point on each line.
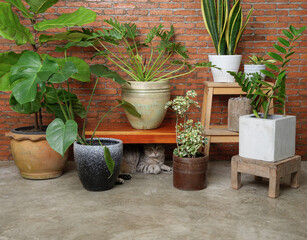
271	139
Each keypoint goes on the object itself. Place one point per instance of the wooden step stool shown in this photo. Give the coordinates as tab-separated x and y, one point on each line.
272	170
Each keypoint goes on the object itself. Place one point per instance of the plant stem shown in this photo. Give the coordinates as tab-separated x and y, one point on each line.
59	102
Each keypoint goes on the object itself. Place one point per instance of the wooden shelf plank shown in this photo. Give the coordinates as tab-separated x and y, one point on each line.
220	132
123	131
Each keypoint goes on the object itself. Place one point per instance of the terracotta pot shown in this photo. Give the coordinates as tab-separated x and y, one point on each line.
190	173
33	155
149	98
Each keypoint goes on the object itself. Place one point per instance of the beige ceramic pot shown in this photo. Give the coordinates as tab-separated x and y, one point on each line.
33	155
149	98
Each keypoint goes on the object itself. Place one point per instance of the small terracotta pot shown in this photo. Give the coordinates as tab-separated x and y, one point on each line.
33	155
190	173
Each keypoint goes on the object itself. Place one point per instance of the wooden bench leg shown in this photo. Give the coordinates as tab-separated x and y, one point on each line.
294	180
274	183
235	175
207	146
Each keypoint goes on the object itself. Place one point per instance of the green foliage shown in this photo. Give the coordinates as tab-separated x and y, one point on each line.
224	25
259	60
78	18
18	4
139	67
108	158
40	6
7	60
262	97
190	137
11	28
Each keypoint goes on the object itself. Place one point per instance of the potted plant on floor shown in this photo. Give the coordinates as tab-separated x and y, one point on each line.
189	164
263	136
25	75
148	66
225	27
98	160
256	64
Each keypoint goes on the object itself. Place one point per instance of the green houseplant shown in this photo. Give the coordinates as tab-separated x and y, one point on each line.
256	64
273	135
25	75
225	27
147	65
189	164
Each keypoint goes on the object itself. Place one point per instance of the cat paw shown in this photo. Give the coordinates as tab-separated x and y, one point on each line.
120	181
166	168
154	169
125	176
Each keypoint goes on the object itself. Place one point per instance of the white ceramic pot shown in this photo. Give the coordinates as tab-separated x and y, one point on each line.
270	140
249	68
226	63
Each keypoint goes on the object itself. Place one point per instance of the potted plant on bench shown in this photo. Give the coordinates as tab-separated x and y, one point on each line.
256	64
25	75
189	164
263	136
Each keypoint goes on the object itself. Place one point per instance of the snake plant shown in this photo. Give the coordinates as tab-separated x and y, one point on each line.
224	25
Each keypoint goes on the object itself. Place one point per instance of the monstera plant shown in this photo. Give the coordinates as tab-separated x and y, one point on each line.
30	76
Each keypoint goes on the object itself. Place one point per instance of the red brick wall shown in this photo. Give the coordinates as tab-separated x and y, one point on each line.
268	20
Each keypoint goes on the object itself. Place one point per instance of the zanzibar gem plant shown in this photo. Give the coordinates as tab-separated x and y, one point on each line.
26	74
252	86
190	137
224	24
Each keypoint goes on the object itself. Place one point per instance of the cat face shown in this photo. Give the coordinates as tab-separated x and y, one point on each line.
154	150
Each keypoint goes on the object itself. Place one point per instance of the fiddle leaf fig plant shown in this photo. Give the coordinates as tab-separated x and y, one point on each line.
262	98
26	74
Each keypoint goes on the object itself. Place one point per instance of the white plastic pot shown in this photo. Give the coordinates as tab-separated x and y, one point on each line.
226	63
248	69
270	140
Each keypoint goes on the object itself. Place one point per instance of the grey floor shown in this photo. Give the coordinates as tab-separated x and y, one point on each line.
148	207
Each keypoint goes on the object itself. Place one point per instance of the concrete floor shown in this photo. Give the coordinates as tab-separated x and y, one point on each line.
148	207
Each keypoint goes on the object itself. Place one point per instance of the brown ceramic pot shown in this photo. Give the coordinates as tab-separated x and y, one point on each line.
190	173
33	155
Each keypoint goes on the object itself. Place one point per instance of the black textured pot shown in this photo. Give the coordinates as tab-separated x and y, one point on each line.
91	166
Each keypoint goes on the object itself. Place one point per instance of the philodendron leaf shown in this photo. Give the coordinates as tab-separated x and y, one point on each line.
7	60
109	161
61	135
11	28
30	71
65	72
21	7
78	18
40	6
69	36
27	108
102	71
130	108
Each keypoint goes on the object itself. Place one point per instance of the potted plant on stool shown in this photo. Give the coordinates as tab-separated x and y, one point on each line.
263	136
256	64
189	164
225	27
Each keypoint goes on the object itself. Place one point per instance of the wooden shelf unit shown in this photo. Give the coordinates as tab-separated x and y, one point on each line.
218	133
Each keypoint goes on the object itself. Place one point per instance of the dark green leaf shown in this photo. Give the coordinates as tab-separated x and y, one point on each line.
78	18
27	108
280	49
68	36
109	161
102	71
130	108
289	54
7	60
271	66
60	136
301	30
65	72
293	30
275	56
285	62
287	34
11	28
267	73
131	30
18	4
283	41
40	6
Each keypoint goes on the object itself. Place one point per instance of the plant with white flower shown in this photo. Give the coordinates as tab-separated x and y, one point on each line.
190	135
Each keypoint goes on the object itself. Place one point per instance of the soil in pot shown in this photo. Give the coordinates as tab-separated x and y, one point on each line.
190	173
33	156
91	166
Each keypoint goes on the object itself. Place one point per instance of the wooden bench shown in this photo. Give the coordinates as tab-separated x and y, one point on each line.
272	170
123	131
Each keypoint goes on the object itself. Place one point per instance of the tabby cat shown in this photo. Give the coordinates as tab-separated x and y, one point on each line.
150	160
